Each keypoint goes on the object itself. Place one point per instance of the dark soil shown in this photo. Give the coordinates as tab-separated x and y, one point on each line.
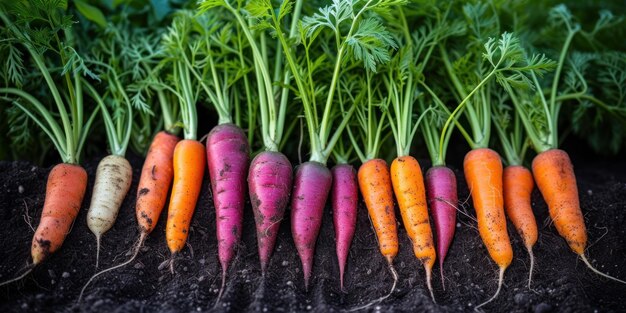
561	282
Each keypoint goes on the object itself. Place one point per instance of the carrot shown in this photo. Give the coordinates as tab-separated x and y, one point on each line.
344	199
554	175
375	186
483	172
408	184
228	157
518	186
113	178
65	189
311	186
154	183
64	194
189	163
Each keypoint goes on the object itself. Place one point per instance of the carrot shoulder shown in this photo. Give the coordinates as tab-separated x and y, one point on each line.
64	195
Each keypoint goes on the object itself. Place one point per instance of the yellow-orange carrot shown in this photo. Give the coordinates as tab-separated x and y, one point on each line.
408	184
189	163
518	186
483	172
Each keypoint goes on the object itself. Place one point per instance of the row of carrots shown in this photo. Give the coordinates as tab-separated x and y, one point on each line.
493	191
269	179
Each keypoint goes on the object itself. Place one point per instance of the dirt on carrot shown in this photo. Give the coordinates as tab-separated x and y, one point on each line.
54	285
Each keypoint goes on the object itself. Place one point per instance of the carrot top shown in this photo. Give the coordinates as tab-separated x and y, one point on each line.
487	56
51	45
539	110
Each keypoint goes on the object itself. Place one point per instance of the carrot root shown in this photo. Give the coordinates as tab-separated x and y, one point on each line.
584	258
219	295
393	288
29	269
532	266
500	281
136	247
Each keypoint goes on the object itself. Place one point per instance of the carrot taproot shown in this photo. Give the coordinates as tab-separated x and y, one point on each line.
408	185
483	172
518	185
188	164
554	174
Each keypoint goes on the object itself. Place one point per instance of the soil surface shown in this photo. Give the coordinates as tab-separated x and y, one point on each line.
561	282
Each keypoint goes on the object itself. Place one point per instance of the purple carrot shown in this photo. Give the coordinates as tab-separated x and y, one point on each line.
310	191
344	199
442	199
227	154
269	181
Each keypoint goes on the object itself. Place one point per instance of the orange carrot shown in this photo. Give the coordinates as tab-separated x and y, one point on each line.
189	163
554	174
375	185
483	172
64	195
408	184
518	185
155	181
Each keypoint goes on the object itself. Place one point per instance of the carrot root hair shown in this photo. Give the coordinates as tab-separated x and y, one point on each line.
219	295
29	269
532	266
500	281
97	251
136	247
429	274
393	288
584	258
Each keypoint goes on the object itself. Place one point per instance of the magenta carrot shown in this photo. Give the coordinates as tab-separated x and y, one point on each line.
310	190
269	182
344	199
442	198
228	157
